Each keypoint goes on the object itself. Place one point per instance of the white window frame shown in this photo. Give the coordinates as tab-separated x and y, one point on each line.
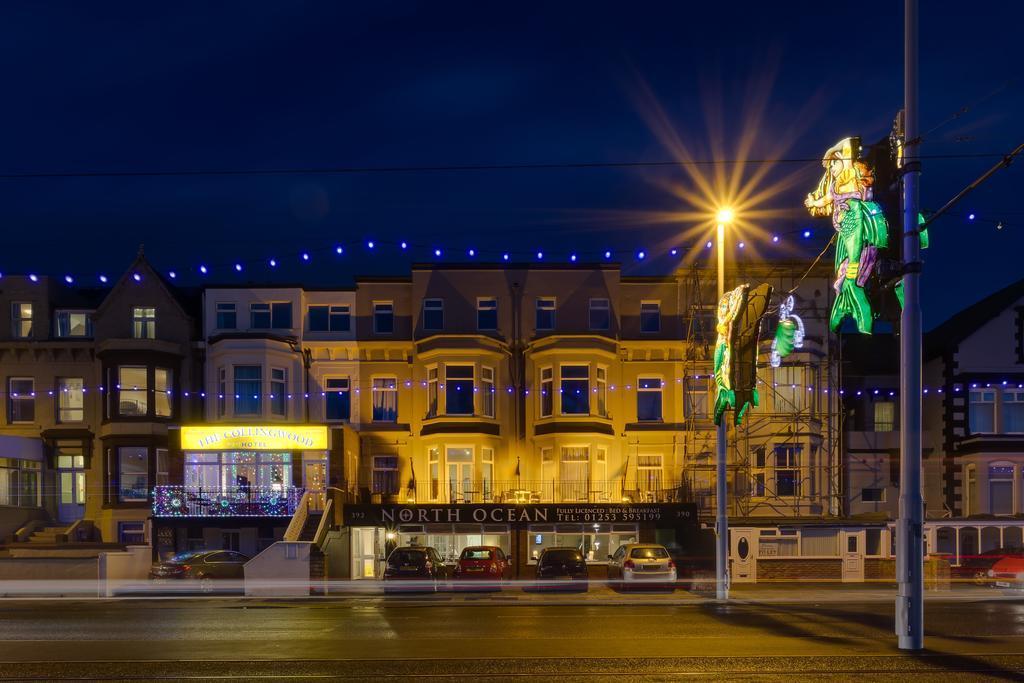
486	303
433	395
561	386
547	389
656	303
472	385
167	392
971	402
143	322
224	308
487	388
21	327
660	388
134	389
386	388
599	304
601	389
379	309
328	390
87	326
546	303
67	389
278	382
434	305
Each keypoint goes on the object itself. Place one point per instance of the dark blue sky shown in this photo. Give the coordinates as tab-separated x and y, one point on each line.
192	86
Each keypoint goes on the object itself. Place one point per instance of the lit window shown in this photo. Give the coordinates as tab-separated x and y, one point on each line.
790	395
133	391
648	399
70	399
432	391
885	416
74	324
489	394
545	313
21	320
383	317
143	323
433	314
133	473
600	314
385	474
650	316
385	399
602	391
487	314
162	387
433	460
575	390
338	399
21	399
649	471
227	316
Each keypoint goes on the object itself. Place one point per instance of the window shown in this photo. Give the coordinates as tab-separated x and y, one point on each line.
281	315
602	391
649	473
222	391
885	416
433	314
385	474
434	463
259	316
143	323
278	391
21	399
970	491
757	475
131	533
982	413
487	473
487	386
1013	412
487	314
70	399
787	470
330	318
1000	487
575	389
385	399
600	314
788	390
227	316
248	386
648	399
383	317
339	399
547	462
133	391
697	398
458	390
432	391
74	324
162	387
547	387
19	482
650	316
574	474
233	473
163	472
545	313
21	320
872	495
133	473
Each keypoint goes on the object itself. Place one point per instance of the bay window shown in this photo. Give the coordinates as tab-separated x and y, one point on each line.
279	391
787	470
162	387
432	391
458	391
133	473
547	387
602	391
248	387
575	390
133	391
489	393
574	473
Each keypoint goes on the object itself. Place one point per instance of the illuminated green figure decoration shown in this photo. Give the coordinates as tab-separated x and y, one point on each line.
738	325
844	193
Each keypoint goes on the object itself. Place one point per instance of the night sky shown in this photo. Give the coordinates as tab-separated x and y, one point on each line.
135	86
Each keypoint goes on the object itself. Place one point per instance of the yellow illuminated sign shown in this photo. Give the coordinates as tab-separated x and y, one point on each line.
254	437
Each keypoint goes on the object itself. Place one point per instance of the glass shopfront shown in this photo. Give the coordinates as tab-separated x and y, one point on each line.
231	470
450	539
595	541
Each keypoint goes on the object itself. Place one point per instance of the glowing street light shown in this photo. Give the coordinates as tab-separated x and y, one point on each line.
725	216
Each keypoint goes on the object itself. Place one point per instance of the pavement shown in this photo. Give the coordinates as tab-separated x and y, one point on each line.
763	633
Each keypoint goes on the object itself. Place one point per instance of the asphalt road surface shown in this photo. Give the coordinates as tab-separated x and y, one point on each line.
372	638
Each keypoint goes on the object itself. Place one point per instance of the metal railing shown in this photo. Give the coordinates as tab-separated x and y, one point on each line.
240	501
536	491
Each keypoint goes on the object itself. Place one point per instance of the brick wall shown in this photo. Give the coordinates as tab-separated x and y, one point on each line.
795	568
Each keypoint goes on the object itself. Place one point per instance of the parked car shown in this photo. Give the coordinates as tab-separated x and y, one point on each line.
642	564
418	567
976	567
562	568
1008	572
482	566
204	568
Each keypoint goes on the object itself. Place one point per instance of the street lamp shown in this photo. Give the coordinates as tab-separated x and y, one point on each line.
725	216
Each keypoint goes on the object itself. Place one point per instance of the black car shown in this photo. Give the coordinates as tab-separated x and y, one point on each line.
562	568
202	568
419	567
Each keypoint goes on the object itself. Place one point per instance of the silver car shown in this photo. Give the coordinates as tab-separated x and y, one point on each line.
642	563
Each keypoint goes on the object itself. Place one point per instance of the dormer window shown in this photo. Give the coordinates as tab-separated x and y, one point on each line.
143	323
72	324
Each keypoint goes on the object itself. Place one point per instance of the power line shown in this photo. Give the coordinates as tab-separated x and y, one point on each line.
365	170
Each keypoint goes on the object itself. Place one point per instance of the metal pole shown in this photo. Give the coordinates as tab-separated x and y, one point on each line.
722	521
910	553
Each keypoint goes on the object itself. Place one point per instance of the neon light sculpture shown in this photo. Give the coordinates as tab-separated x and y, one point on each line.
844	193
738	325
789	334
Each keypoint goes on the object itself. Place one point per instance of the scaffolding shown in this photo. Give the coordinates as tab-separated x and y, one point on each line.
784	460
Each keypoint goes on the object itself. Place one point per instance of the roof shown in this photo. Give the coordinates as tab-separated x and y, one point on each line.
965	323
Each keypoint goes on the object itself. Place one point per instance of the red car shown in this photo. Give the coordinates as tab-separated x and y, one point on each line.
487	566
1008	572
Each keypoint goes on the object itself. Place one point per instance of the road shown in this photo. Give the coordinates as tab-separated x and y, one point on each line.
442	637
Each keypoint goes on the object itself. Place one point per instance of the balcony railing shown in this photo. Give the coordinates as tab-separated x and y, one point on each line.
241	501
534	491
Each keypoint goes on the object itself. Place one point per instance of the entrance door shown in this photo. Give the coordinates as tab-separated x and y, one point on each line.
364	552
460	475
314	479
853	555
71	487
744	555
